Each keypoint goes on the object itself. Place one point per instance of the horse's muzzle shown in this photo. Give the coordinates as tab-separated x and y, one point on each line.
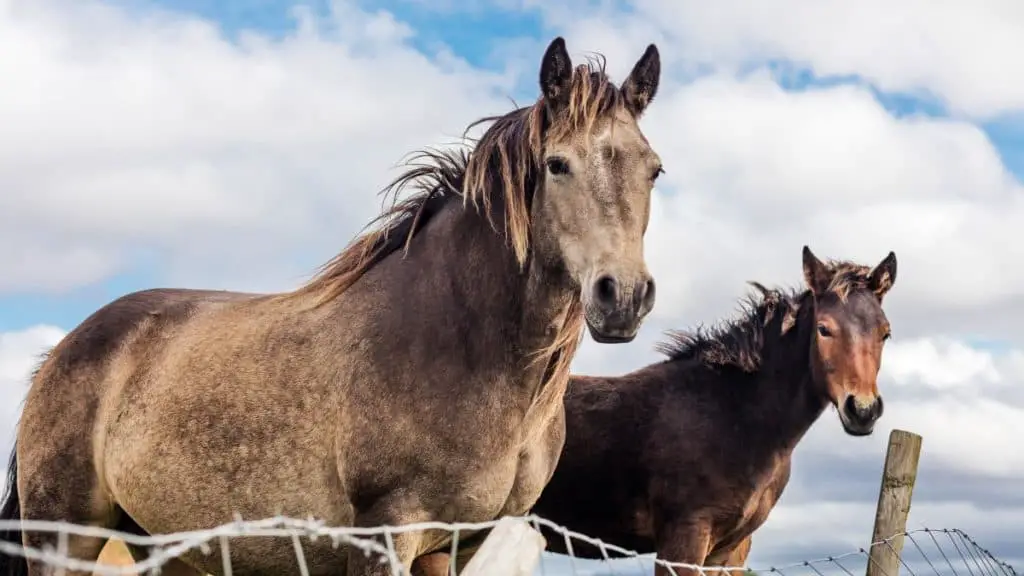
614	314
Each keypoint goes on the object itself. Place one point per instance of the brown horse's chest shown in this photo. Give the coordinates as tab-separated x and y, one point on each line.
753	511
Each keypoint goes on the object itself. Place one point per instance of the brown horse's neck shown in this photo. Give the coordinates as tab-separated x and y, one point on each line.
786	399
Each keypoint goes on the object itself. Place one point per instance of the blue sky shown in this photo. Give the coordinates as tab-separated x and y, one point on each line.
472	33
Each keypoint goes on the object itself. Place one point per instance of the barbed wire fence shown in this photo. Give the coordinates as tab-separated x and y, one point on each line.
926	552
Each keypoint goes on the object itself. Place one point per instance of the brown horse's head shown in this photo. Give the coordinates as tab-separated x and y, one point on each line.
592	196
850	330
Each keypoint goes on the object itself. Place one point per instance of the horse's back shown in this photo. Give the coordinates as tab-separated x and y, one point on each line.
69	383
98	337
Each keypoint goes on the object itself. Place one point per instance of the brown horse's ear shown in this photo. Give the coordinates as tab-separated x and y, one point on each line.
883	276
816	274
641	86
556	76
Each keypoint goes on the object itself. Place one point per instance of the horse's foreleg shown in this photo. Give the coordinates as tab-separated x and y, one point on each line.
735	556
738	557
439	563
687	543
404	545
172	567
434	564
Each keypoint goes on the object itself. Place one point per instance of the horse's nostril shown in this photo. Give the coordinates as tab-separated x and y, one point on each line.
606	289
862	414
648	298
850	407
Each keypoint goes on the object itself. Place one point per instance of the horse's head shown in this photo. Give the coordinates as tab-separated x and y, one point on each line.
592	200
850	330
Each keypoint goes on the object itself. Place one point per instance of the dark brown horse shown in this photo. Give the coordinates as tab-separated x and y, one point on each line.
686	457
418	377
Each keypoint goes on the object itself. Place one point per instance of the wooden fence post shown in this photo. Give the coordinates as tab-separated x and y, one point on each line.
894	495
513	548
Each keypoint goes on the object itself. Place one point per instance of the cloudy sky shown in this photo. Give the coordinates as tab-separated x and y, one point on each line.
239	144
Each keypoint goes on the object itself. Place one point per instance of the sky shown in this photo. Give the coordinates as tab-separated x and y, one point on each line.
238	145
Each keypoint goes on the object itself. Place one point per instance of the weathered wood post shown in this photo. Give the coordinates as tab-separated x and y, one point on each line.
898	477
513	548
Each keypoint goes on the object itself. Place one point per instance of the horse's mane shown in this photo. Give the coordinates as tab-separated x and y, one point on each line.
740	342
505	162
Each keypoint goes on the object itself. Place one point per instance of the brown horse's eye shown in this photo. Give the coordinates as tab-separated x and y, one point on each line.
823	331
657	173
557	166
886	336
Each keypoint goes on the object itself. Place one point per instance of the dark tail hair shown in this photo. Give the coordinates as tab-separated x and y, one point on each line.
10	509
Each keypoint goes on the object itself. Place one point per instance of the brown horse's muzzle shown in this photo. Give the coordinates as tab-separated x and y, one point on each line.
615	310
859	415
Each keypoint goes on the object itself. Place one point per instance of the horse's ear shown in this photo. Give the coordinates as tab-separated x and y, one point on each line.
556	75
641	86
883	276
816	274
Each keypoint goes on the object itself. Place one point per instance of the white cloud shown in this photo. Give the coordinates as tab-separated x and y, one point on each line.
963	53
941	364
758	171
20	352
152	130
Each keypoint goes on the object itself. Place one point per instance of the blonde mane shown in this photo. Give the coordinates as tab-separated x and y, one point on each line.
506	161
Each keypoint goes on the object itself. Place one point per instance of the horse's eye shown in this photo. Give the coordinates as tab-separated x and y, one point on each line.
557	166
886	336
657	173
823	331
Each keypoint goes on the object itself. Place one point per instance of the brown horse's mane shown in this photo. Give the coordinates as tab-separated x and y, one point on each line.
740	342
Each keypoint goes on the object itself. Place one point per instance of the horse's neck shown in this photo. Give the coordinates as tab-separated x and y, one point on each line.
534	298
786	399
509	311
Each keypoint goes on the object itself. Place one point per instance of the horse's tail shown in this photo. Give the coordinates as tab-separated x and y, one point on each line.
10	509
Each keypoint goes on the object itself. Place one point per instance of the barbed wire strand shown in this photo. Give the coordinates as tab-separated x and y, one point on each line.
167	547
899	556
972	553
923	555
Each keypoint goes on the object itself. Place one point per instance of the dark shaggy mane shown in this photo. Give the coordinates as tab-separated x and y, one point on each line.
740	342
737	342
